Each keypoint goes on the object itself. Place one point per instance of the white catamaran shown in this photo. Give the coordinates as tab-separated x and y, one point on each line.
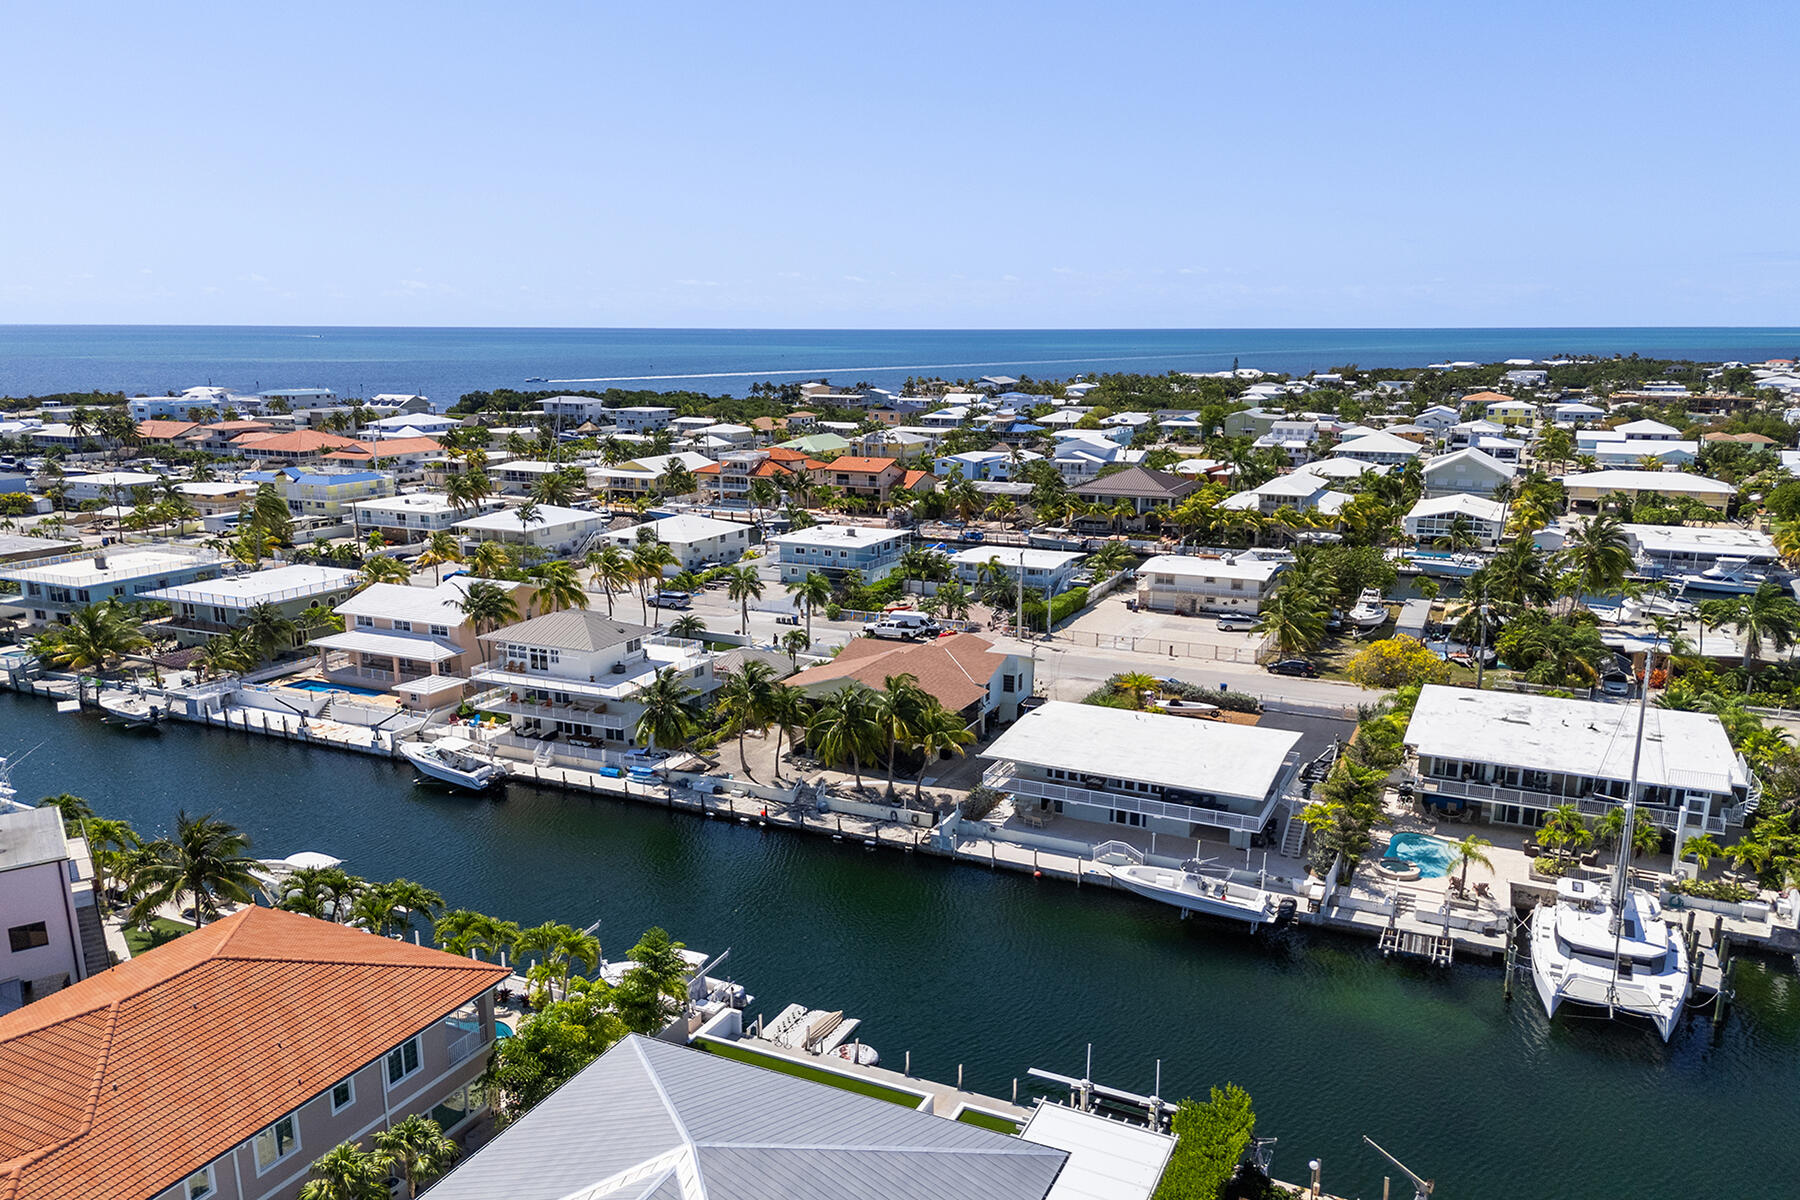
1606	946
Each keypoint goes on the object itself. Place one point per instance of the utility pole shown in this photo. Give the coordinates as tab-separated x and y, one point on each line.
1480	642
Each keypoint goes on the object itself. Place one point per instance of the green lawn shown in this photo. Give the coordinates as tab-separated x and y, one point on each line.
988	1120
849	1083
161	930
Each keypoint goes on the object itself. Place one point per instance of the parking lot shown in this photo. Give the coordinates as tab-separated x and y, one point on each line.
1111	625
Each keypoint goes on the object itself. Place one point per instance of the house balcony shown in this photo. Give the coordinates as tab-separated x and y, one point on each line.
1004	777
1716	821
344	668
625	681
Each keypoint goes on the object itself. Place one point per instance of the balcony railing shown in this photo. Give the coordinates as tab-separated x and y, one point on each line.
1662	816
1004	777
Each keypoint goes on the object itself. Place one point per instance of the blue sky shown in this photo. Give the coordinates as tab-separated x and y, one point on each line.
912	165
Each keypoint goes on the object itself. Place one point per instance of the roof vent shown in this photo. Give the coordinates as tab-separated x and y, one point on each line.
100	562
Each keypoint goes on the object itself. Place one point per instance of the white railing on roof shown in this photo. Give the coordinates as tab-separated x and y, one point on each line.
1003	776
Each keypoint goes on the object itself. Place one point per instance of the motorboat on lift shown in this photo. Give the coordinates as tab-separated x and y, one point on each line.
1370	611
456	761
1604	945
1193	888
1737	576
132	710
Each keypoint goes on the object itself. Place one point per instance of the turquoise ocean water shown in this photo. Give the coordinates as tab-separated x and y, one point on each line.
445	363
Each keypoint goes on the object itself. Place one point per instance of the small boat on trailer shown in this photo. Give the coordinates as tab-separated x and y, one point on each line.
131	710
455	761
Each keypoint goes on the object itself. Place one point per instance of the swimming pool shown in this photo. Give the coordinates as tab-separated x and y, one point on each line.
320	685
1431	855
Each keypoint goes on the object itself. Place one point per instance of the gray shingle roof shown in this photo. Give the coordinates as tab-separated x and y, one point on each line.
650	1120
570	629
1139	482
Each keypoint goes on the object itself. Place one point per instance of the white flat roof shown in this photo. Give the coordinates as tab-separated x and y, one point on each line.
106	479
434	502
82	570
549	516
1210	568
1574	737
287	583
680	529
427	605
839	535
1178	752
1108	1159
1013	556
1678	539
395	645
1649	481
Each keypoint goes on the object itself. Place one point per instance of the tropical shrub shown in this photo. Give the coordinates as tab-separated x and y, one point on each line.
1210	1139
1395	662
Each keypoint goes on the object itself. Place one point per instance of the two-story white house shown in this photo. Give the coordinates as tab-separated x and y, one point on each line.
1051	572
414	516
1517	756
1191	584
47	906
1173	775
575	675
1467	472
1434	517
696	542
412	641
202	611
51	588
552	529
835	550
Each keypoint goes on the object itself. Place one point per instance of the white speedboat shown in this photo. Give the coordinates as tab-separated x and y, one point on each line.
131	710
1606	946
1192	890
1370	611
1732	575
1589	951
455	761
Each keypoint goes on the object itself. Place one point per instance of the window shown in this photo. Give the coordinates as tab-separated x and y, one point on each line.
26	937
440	631
200	1184
1007	682
363	622
403	626
402	1061
541	659
275	1143
343	1095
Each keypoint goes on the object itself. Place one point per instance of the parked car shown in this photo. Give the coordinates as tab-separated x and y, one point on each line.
1616	685
671	600
1237	623
973	535
904	626
1294	666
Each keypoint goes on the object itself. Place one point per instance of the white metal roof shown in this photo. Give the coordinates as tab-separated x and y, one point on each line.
427	605
399	645
839	535
1210	568
1477	507
680	529
1013	556
549	517
1574	737
1210	756
1109	1159
1677	482
285	583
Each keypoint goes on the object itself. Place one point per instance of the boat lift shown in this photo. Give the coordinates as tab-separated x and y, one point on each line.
1422	1188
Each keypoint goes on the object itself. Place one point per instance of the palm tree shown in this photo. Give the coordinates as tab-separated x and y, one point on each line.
612	571
558	586
270	632
1466	852
556	488
229	653
844	727
743	584
205	860
1598	554
417	1150
1460	535
687	625
794	641
563	947
1768	615
307	891
109	842
650	562
1294	616
897	711
382	568
937	730
813	590
668	716
1702	848
491	560
346	1172
744	700
440	548
953	600
1139	686
487	606
95	638
787	711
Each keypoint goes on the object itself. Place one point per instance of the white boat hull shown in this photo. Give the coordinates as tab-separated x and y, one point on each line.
133	712
1198	893
475	778
1562	979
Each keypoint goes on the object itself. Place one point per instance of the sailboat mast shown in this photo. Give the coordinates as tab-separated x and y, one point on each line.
1622	871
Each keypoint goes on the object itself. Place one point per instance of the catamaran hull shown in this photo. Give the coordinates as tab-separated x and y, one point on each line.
1585	993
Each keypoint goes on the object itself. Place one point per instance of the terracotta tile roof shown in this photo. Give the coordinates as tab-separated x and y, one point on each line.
301	441
386	448
128	1082
708	469
954	669
163	431
915	478
864	466
1485	398
239	427
783	454
769	468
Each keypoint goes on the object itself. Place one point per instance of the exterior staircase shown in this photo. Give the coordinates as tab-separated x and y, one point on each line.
1293	836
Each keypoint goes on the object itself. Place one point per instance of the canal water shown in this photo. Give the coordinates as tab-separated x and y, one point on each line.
999	972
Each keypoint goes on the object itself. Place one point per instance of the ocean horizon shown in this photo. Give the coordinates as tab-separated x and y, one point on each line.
444	362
